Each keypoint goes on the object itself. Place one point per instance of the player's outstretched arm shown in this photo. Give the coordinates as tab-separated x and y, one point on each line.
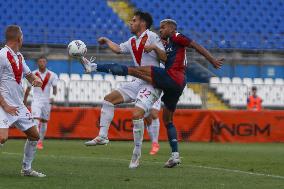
27	92
217	63
34	80
161	53
112	45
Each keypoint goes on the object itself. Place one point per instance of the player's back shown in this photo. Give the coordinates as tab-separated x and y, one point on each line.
12	68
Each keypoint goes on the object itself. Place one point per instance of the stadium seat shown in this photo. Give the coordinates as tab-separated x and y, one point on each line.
257	81
225	80
61	92
98	77
65	77
75	77
236	80
87	77
247	81
268	81
279	81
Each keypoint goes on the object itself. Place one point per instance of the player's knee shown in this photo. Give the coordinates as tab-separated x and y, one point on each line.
3	139
167	119
33	136
138	113
155	114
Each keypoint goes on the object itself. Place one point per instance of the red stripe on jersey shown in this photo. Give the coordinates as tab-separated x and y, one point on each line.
17	71
177	69
138	52
45	81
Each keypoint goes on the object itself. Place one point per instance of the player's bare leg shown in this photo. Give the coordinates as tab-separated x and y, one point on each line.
138	133
153	127
42	128
29	153
3	136
174	160
107	113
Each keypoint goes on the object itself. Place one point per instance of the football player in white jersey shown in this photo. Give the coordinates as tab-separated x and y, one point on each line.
12	109
140	46
42	97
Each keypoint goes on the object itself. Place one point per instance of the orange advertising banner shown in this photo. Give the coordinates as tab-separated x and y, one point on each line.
192	125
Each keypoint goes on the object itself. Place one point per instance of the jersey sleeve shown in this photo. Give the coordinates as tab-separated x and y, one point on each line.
181	39
54	80
158	42
124	47
26	69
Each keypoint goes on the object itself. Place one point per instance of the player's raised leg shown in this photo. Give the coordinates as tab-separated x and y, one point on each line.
107	113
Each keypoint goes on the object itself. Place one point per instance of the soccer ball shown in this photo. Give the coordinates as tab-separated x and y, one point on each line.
77	49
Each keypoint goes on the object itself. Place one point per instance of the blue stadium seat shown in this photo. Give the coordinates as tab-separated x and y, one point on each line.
247	21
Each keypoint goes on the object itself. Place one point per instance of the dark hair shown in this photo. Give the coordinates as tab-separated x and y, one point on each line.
41	57
145	16
12	32
254	88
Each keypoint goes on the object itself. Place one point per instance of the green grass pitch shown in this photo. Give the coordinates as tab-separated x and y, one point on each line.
69	164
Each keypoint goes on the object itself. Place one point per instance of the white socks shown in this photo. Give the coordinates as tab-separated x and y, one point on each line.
29	153
37	122
153	130
42	130
93	67
107	113
138	133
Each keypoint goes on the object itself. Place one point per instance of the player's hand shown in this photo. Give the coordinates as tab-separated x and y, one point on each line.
149	48
12	110
37	82
217	63
102	40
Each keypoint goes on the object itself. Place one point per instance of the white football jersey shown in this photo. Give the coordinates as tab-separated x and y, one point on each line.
12	69
49	80
135	46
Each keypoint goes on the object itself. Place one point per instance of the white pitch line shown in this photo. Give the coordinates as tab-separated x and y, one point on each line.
156	162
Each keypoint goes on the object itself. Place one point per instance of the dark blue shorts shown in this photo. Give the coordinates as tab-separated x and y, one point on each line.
172	90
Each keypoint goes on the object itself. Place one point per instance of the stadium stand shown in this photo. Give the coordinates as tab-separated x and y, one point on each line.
223	23
236	26
236	91
90	90
59	22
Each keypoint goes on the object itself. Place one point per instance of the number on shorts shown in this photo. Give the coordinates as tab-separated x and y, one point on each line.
146	93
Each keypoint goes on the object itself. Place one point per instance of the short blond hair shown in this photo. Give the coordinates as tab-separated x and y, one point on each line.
13	32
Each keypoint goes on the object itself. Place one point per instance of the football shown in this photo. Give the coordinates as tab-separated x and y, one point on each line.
77	49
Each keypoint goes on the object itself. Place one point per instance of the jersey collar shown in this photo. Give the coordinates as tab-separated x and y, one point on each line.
146	31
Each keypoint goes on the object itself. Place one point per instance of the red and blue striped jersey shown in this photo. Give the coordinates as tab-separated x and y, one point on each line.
176	57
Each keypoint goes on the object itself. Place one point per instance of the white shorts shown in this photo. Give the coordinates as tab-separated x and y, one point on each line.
41	110
22	121
144	94
157	104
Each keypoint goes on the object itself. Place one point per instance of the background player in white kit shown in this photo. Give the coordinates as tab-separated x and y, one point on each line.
144	94
42	97
152	123
12	109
